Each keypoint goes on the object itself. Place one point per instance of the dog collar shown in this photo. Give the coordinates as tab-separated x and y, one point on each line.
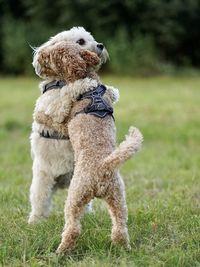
54	85
53	135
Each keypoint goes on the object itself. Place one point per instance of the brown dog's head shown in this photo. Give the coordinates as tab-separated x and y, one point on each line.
66	61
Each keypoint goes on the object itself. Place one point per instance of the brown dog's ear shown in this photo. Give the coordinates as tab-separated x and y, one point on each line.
64	60
73	62
61	60
90	58
42	63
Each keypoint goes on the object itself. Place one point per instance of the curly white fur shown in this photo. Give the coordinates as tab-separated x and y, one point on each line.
53	159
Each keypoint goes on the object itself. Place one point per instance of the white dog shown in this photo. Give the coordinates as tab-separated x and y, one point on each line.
52	154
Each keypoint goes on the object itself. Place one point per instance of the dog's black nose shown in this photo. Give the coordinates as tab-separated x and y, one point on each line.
100	46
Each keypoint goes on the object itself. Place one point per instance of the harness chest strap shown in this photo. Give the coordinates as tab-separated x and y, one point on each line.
98	106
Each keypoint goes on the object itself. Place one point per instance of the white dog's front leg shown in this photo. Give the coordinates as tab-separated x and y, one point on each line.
40	194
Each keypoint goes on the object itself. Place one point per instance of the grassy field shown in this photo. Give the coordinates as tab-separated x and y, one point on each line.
162	182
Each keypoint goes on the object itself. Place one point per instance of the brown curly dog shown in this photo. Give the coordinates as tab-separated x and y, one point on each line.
92	134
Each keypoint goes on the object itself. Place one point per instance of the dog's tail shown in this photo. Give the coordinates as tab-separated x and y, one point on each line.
124	151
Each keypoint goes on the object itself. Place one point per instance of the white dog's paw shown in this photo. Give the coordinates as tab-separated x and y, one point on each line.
36	219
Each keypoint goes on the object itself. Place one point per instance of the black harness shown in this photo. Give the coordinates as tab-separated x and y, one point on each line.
98	106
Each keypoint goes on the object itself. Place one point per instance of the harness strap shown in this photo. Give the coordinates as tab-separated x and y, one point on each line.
54	135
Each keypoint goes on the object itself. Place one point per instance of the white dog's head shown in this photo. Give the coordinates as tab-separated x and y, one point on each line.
77	35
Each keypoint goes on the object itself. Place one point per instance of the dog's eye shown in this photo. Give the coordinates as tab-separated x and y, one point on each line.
81	41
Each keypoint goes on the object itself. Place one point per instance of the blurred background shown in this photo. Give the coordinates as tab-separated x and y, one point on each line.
143	37
154	48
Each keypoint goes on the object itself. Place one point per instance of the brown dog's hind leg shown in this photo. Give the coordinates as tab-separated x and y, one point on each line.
74	208
118	211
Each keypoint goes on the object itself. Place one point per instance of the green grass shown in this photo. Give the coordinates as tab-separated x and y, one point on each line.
162	182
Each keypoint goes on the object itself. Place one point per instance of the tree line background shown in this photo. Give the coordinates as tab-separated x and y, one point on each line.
142	36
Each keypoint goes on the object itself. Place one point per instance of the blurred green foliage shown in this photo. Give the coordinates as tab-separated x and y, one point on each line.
141	36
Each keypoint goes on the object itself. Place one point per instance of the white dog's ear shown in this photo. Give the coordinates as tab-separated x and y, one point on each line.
36	64
104	56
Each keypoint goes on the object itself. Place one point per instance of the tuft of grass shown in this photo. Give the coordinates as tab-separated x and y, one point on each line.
162	181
